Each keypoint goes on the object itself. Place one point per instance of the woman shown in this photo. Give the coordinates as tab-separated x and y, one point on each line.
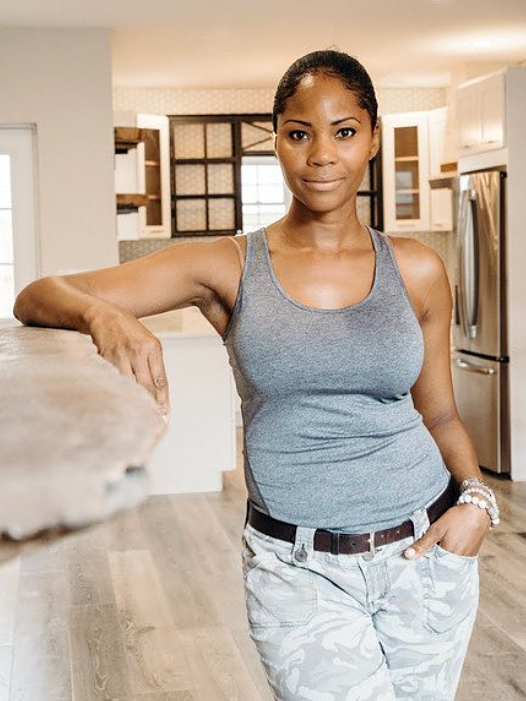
338	336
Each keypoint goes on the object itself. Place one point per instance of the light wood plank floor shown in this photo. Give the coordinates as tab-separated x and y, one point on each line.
149	607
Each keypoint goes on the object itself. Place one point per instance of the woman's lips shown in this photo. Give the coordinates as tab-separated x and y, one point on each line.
323	185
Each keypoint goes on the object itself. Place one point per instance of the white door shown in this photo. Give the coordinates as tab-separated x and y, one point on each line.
19	258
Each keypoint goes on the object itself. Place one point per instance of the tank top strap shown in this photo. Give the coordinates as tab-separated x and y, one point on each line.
392	271
256	258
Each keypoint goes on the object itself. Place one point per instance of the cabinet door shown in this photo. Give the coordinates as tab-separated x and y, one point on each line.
492	112
437	135
153	155
480	109
406	171
469	119
441	200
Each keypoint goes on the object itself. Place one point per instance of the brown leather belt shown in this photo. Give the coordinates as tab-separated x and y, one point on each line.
351	543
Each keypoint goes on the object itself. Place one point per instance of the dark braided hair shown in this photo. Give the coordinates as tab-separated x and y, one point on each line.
334	63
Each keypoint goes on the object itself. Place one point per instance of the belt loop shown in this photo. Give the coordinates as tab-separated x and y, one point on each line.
335	543
303	544
420	519
372	546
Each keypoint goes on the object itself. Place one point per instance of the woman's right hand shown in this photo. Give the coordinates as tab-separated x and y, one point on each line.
136	352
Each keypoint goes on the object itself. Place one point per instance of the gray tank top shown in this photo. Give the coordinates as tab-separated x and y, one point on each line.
331	436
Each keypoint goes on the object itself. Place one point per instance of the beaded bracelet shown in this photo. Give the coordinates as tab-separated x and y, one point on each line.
472	486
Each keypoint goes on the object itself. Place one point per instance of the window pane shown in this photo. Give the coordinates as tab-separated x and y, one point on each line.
406	142
189	140
190	180
220	179
270	193
221	214
249	174
249	194
270	174
191	215
219	141
5	181
7	291
6	237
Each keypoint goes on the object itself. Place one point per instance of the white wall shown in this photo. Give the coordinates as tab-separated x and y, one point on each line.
516	262
60	80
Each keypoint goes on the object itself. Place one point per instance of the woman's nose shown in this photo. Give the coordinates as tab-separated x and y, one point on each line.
322	151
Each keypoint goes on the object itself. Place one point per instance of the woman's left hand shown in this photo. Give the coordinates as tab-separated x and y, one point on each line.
461	530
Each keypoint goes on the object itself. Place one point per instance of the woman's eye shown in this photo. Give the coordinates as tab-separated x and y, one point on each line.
297	134
346	132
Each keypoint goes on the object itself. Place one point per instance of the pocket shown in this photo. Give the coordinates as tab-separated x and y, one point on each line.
442	552
451	588
277	592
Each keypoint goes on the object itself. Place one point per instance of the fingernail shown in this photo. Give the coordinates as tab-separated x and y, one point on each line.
410	552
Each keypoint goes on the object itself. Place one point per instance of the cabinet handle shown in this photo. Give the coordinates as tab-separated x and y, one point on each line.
491	141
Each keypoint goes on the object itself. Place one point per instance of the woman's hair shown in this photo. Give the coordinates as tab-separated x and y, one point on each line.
334	63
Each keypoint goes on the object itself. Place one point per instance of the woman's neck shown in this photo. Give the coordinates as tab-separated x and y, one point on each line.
329	231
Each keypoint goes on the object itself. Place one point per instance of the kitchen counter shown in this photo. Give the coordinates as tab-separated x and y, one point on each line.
75	436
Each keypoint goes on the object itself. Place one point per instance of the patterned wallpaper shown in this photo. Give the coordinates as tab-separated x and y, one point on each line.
176	101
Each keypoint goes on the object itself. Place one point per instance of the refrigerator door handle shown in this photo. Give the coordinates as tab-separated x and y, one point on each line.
474	368
469	263
462	256
474	282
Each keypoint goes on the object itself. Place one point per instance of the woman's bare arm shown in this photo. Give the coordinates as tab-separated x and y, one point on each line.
107	303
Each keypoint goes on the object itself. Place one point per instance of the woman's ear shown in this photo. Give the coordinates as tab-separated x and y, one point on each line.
375	141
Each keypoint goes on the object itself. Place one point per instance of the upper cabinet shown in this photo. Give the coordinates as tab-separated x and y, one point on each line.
413	145
440	200
154	176
405	165
481	114
143	170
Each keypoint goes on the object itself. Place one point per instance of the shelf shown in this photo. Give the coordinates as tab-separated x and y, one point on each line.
130	203
127	138
152	163
406	159
406	191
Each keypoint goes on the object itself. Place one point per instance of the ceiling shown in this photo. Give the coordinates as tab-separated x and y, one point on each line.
249	44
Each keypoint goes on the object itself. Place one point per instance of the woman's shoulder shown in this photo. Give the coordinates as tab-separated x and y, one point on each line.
421	269
416	259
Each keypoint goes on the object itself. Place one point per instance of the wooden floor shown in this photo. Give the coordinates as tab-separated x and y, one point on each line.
149	607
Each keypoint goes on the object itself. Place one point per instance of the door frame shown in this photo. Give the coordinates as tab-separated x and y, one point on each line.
20	143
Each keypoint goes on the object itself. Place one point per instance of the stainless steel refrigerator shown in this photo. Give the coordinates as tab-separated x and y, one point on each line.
480	352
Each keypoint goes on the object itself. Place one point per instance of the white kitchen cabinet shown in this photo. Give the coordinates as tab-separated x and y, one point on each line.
154	176
145	169
440	200
405	164
200	441
481	114
412	152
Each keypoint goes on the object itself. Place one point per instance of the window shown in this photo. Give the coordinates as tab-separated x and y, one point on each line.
225	178
264	195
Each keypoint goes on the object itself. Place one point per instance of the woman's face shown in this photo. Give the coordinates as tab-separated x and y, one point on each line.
324	142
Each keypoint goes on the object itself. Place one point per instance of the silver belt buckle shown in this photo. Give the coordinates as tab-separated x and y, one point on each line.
372	547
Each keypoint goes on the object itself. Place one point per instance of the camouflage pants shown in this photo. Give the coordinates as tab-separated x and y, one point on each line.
368	627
